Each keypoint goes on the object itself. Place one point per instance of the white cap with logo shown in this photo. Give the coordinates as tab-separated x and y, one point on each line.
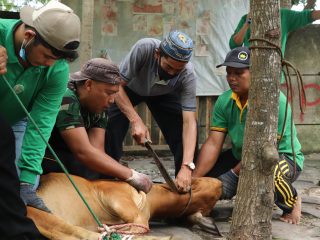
55	22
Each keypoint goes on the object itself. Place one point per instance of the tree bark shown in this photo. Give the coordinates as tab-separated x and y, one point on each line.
310	4
252	213
286	4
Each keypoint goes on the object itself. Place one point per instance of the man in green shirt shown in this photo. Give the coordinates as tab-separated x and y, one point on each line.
79	133
33	56
290	21
229	117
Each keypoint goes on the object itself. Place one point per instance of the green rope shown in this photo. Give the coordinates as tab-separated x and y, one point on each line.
54	154
113	236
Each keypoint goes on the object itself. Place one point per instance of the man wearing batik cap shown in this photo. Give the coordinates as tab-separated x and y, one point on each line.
33	54
158	73
229	117
79	132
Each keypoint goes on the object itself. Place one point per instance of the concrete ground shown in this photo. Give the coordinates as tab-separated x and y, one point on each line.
308	186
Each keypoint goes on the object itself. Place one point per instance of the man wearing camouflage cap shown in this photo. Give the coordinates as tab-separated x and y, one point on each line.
79	132
33	54
158	73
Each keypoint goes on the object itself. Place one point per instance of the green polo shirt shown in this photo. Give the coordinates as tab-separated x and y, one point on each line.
290	21
41	90
229	117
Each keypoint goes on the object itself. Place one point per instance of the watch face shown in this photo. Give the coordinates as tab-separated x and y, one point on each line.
192	166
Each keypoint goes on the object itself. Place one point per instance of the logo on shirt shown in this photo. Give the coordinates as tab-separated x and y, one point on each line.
243	56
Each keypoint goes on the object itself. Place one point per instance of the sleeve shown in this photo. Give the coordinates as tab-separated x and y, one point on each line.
293	20
100	121
232	44
44	112
188	93
219	121
69	115
133	62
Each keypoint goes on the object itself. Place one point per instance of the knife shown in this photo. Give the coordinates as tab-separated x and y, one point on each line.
161	168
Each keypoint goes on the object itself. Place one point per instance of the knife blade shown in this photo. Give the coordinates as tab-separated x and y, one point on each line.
161	168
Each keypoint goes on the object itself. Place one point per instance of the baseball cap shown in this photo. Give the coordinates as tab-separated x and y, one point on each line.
238	58
178	46
98	69
56	23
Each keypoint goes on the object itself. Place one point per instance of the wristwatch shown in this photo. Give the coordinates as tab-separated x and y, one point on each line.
190	165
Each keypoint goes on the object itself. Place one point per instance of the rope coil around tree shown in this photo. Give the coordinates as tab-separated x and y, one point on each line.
302	100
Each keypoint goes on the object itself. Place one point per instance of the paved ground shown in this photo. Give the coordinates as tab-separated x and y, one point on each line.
308	186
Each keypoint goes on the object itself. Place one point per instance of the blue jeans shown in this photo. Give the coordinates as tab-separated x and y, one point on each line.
19	130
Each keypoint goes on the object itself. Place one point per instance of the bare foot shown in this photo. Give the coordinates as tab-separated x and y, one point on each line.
295	215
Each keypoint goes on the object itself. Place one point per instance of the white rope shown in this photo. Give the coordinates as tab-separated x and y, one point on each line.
106	231
127	237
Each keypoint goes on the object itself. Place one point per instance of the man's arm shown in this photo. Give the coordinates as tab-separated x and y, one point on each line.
78	142
315	15
139	131
189	135
209	153
96	137
3	60
189	138
237	38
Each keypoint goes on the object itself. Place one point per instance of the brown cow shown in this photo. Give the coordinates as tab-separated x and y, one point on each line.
114	202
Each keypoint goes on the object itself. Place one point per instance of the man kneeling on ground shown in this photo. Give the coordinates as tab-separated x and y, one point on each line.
79	133
229	117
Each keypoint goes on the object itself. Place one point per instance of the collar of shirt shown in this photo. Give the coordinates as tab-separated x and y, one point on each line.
236	98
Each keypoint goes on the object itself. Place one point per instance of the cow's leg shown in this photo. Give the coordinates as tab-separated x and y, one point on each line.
127	210
56	228
205	223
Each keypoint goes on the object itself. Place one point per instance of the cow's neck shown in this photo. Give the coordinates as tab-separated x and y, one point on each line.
165	203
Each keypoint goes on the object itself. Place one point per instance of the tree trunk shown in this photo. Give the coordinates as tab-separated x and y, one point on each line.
311	4
86	31
252	213
286	4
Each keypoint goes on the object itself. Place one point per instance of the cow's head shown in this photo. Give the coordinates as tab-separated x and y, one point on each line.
206	192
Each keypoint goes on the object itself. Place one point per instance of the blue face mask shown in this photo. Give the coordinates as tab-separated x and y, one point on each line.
22	52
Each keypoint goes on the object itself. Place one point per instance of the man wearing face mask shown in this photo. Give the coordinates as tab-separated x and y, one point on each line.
158	73
33	56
